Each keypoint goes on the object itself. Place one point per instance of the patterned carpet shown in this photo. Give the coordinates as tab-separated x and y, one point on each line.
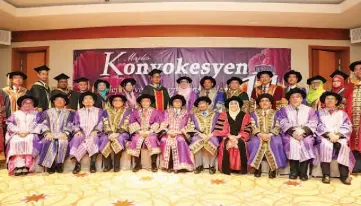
145	188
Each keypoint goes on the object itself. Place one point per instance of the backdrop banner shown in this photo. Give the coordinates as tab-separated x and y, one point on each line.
114	65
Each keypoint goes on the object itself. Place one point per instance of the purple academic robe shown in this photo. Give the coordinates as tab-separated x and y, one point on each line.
198	123
273	149
304	118
86	121
55	123
115	122
177	146
338	123
19	150
144	121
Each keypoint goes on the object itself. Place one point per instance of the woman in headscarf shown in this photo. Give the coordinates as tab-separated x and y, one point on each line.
185	89
22	137
315	91
102	88
128	91
338	85
338	82
235	127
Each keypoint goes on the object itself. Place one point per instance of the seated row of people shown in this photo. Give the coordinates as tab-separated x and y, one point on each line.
296	134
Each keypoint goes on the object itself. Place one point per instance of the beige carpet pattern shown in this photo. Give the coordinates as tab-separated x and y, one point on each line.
156	189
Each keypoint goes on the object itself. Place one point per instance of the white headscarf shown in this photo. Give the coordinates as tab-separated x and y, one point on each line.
235	113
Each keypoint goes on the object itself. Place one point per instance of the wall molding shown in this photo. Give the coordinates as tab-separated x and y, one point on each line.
181	31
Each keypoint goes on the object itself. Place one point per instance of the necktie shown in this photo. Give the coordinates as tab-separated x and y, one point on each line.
207	94
297	116
204	114
331	112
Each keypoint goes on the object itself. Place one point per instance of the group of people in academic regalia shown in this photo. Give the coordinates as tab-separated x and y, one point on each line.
187	130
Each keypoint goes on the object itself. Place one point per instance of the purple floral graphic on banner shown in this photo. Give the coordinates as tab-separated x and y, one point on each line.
114	65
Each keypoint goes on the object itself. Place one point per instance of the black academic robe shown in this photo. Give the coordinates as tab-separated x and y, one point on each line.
41	92
160	94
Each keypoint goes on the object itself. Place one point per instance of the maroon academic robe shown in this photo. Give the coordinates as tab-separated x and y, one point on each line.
276	91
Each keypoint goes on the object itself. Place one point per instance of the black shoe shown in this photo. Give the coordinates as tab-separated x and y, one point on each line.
18	172
117	161
93	160
212	170
137	166
326	171
326	179
272	174
77	168
198	169
294	169
344	174
304	178
60	168
346	181
154	163
25	171
303	170
51	170
107	161
257	173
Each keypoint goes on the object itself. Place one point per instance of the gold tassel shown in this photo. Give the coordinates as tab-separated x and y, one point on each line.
9	80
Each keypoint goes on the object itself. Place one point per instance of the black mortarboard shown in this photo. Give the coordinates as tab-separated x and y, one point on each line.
295	91
61	95
180	97
184	78
107	84
298	75
339	73
317	77
262	96
259	74
235	79
81	79
155	71
112	97
12	74
42	68
329	93
354	64
61	76
234	98
128	80
208	78
202	99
